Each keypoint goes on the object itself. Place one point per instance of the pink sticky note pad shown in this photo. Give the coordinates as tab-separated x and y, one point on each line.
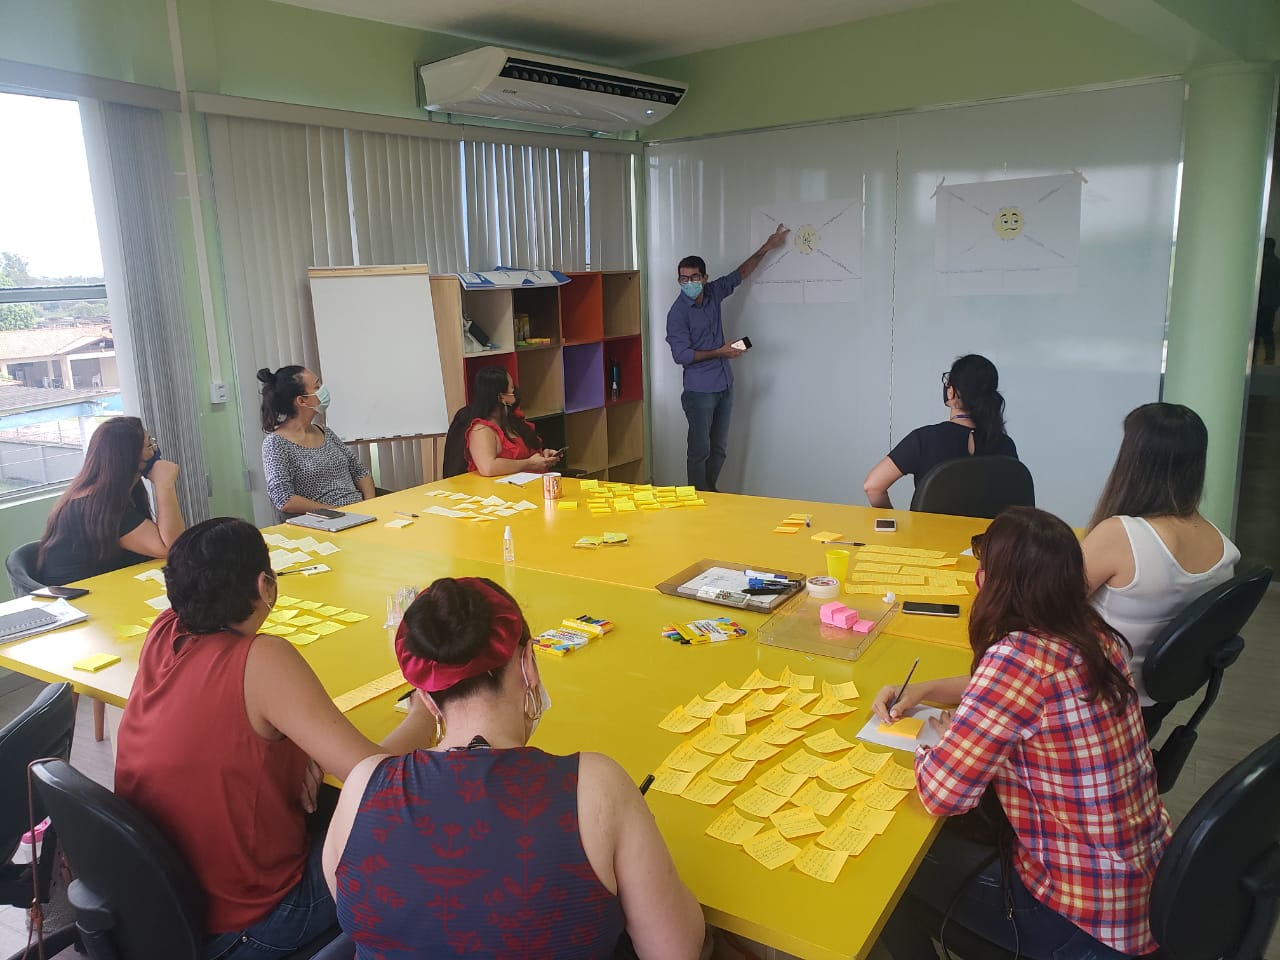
845	619
863	626
828	612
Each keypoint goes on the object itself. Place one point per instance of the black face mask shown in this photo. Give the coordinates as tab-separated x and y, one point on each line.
151	461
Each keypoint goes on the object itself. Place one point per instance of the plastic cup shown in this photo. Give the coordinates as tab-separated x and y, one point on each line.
838	564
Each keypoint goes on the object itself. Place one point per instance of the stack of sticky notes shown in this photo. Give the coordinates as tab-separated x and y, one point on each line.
836	614
794	523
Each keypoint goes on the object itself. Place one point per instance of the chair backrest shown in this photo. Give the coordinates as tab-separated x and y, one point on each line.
1214	891
21	567
156	905
454	461
975	487
1183	656
44	729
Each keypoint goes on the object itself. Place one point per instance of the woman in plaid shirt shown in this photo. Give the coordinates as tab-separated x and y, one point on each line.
1050	719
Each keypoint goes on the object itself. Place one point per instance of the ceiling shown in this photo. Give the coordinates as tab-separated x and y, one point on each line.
613	31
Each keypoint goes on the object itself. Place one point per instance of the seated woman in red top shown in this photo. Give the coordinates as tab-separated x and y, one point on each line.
485	846
215	741
1051	720
490	435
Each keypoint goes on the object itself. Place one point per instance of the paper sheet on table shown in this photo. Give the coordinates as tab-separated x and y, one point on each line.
520	479
870	733
156	575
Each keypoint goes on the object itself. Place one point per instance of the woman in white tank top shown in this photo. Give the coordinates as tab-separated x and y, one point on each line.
1149	553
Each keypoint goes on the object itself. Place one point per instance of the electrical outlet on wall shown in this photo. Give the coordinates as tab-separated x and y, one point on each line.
217	392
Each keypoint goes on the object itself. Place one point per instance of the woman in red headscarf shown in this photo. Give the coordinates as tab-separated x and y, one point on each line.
512	851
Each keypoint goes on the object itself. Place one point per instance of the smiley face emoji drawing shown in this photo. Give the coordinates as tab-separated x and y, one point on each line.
807	238
1007	223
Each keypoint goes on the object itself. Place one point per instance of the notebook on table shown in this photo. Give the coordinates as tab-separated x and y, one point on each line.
26	617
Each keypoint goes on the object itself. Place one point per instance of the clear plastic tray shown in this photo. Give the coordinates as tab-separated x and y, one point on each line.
798	626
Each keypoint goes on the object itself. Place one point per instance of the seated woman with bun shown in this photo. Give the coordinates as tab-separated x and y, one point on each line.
490	436
307	466
536	854
975	427
1149	552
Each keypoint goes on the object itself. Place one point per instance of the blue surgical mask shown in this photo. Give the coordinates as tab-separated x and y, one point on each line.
322	395
692	290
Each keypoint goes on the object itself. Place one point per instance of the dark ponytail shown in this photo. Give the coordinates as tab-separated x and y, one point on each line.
279	390
975	379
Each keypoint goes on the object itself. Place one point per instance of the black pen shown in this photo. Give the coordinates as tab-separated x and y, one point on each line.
311	569
894	702
847	543
401	513
645	784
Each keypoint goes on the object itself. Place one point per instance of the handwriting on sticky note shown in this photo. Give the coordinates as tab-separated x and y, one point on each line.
351	617
666	780
831	707
771	849
796	719
730	769
324	628
330	611
843	836
842	775
678	721
733	827
685	757
759	802
865	567
767	702
867	819
725	694
821	864
828	741
780	734
732	724
822	801
795	697
304	621
868	761
758	681
840	691
797	822
706	791
897	776
802	681
880	796
697	707
708	741
755	748
802	761
781	781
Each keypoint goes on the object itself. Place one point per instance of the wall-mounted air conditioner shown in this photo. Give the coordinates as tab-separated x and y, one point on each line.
502	84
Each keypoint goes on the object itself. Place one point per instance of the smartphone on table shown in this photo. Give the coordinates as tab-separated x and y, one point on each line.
886	525
324	513
59	593
931	609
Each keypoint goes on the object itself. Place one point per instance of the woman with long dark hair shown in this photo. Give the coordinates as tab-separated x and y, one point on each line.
1149	552
974	427
307	466
104	521
490	435
1049	718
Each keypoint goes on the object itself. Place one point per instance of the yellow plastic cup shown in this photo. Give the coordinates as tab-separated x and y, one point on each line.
838	564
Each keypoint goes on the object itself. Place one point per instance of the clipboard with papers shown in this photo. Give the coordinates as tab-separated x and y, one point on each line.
28	617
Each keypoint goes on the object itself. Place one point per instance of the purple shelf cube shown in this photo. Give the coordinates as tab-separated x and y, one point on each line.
583	377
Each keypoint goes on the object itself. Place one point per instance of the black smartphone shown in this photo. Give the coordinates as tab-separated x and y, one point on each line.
886	525
931	609
59	593
324	513
561	452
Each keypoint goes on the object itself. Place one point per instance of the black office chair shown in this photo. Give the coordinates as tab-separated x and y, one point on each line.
975	487
454	461
44	729
21	567
134	897
1195	649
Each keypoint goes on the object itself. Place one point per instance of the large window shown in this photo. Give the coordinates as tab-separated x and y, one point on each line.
58	374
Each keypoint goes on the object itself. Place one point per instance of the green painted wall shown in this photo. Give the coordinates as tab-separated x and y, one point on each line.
949	53
23	521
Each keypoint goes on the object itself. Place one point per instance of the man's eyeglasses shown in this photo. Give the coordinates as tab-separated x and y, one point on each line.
695	278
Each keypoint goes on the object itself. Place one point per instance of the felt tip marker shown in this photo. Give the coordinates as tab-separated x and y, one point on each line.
401	513
645	784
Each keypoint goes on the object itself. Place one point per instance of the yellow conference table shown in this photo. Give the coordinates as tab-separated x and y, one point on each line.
610	695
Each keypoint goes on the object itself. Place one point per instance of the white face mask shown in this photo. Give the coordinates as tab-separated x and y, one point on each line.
536	700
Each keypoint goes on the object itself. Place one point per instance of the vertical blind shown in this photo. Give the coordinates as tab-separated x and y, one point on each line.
290	196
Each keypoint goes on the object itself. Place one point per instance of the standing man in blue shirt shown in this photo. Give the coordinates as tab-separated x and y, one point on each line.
695	333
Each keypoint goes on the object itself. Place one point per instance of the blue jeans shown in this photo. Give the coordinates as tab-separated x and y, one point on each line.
708	416
1036	932
305	913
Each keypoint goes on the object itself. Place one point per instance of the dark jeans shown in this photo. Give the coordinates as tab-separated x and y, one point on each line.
1040	934
305	912
708	416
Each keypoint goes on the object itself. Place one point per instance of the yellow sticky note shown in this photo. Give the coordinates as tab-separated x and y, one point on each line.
824	865
840	691
650	506
732	724
828	741
302	637
351	617
868	567
695	502
625	506
308	604
708	741
706	791
868	761
908	727
802	681
842	836
95	662
802	761
842	775
826	536
304	621
670	490
131	631
278	614
697	707
831	707
901	551
897	776
588	485
330	611
796	719
822	801
878	795
759	802
731	770
666	780
324	629
867	819
767	702
644	496
801	517
754	748
797	822
733	827
725	694
684	757
758	681
796	697
785	529
781	781
282	601
779	734
771	849
679	721
567	505
281	629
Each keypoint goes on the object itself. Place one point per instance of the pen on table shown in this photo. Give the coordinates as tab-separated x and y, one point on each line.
847	543
310	569
645	784
401	513
894	702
